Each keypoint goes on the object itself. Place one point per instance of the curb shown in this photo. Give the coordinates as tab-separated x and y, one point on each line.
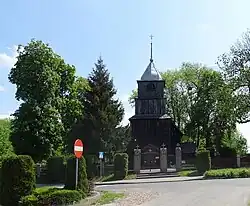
150	182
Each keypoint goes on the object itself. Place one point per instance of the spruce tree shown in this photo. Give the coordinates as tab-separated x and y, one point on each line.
103	112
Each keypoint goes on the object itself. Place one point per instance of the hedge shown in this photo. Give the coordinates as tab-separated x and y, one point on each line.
203	161
51	196
120	165
56	169
19	179
82	184
227	173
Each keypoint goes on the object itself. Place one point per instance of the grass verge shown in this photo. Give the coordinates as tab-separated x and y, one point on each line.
190	173
112	178
108	197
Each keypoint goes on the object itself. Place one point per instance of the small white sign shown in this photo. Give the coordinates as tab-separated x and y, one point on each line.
101	155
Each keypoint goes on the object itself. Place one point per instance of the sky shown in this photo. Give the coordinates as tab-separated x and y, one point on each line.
82	30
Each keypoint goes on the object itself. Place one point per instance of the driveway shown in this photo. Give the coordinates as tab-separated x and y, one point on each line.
233	192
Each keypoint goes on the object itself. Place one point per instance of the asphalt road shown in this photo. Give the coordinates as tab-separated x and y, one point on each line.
233	192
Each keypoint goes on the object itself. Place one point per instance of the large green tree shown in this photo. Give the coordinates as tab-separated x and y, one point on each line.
236	67
103	112
44	83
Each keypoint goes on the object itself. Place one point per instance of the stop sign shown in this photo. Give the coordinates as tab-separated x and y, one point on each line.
78	148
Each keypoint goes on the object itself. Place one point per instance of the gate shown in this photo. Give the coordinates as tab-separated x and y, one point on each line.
150	157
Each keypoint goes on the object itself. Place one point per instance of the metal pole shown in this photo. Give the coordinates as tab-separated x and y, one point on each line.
100	167
76	172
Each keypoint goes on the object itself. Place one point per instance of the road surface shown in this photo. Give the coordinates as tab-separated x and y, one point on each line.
233	192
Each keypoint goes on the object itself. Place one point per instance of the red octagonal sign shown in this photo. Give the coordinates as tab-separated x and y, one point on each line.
78	148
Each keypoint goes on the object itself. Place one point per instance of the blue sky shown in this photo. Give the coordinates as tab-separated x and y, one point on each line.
81	30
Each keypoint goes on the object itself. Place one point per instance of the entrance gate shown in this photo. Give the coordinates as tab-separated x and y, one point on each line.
150	157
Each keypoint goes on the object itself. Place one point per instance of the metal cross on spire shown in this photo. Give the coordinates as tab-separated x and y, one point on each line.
151	43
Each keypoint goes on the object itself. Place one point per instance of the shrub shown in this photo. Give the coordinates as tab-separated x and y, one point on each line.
30	200
51	196
91	187
19	179
227	173
82	184
120	165
203	161
56	169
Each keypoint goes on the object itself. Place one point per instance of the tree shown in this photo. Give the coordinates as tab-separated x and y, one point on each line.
5	145
235	65
73	111
235	141
42	80
103	113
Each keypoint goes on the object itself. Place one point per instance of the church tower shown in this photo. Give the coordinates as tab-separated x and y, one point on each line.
150	100
151	126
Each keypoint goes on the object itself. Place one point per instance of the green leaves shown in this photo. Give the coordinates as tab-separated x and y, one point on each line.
103	113
235	65
5	144
45	85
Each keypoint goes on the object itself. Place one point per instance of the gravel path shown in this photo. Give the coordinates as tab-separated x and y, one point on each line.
234	192
136	198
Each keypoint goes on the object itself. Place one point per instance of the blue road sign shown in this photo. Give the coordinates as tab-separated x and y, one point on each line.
101	155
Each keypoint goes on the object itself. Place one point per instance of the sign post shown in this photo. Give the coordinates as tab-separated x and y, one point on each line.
78	150
101	164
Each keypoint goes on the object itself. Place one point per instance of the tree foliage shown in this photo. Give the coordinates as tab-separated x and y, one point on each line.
103	113
5	145
235	65
44	84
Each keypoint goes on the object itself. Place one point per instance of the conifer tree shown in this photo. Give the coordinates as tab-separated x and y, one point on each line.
103	112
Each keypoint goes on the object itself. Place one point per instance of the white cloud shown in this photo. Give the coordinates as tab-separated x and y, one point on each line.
8	61
2	88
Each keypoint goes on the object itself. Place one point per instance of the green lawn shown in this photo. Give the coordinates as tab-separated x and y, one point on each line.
108	197
112	178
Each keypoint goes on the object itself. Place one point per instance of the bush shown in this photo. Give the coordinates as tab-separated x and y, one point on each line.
82	184
203	161
19	179
51	196
227	173
56	169
30	200
120	165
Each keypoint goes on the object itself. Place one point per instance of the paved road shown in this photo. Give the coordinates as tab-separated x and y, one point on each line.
234	192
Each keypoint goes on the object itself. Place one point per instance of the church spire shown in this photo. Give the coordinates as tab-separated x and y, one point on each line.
151	44
151	73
